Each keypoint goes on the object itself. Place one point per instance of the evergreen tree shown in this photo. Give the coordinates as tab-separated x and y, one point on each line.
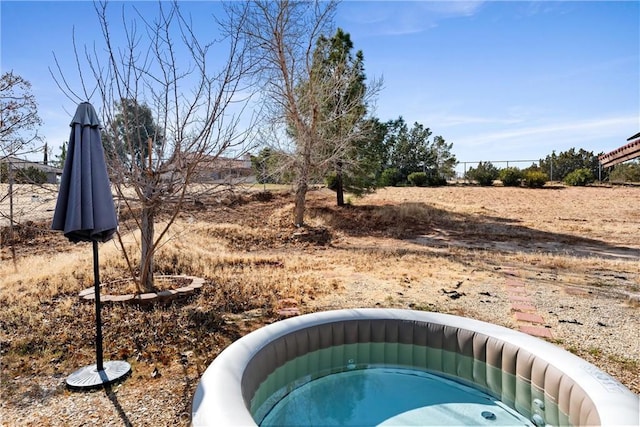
312	86
133	136
268	167
444	161
60	158
557	167
344	111
626	172
484	174
408	149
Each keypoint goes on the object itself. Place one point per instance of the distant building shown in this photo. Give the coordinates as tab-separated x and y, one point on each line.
53	174
224	170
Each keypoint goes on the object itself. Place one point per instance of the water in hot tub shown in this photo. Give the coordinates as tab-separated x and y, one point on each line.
389	396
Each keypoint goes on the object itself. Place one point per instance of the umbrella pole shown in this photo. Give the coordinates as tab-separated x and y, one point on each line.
100	374
96	281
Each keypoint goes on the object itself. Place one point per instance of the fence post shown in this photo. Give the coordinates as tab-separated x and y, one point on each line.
600	172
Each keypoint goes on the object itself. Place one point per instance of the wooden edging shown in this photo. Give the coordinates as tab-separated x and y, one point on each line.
148	298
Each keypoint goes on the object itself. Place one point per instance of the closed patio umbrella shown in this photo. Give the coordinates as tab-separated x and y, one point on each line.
85	212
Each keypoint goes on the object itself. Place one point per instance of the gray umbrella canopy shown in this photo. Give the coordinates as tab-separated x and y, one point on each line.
85	211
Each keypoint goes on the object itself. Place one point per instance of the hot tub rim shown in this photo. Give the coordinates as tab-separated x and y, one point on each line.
218	398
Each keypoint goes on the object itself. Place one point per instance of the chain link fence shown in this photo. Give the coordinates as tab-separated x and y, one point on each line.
27	202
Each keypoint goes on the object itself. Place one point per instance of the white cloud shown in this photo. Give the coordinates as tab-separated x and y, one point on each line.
448	120
580	130
533	8
402	18
586	70
597	135
453	8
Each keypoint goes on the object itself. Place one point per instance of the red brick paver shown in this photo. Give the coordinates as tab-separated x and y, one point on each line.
528	317
518	298
514	283
522	307
536	331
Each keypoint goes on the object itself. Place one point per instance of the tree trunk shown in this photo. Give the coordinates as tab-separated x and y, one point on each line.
301	194
339	186
146	254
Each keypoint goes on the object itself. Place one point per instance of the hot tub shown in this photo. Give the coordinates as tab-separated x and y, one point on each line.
521	375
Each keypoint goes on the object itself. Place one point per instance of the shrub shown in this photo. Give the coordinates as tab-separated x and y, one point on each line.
625	172
357	185
484	174
390	177
435	180
332	181
534	178
419	179
579	177
557	167
511	177
29	175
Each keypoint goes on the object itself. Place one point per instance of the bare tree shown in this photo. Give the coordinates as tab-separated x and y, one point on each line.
304	99
19	123
166	114
19	120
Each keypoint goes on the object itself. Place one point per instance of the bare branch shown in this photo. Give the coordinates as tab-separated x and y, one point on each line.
19	120
166	112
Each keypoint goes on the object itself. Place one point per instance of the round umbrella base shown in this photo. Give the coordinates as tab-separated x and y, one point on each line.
89	376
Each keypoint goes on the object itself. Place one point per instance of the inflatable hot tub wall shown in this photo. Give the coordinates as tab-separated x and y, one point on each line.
534	377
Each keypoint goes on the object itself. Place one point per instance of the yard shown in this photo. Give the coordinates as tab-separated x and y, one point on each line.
450	249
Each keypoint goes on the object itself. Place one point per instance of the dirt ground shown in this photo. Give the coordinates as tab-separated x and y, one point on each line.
451	249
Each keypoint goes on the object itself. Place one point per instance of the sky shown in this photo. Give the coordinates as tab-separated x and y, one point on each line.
500	80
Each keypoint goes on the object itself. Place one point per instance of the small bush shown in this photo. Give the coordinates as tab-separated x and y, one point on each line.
534	178
358	185
332	181
418	179
262	196
510	177
390	177
29	175
35	176
626	172
484	174
579	177
435	180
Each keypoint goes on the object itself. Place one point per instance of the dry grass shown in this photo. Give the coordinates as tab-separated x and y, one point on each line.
406	248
